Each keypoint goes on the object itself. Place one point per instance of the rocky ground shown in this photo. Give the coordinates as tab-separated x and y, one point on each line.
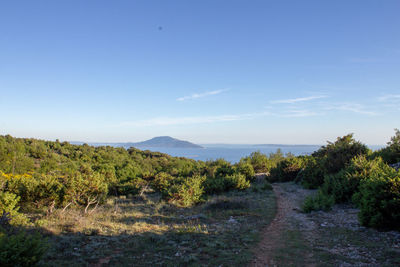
333	238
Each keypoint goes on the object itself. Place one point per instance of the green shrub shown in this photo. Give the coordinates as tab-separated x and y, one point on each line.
21	248
48	192
335	156
312	176
286	170
224	171
216	185
320	201
391	153
237	181
86	189
189	192
162	181
9	205
246	169
345	183
379	199
131	187
259	161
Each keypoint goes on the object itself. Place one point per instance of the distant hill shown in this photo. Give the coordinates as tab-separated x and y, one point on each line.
165	141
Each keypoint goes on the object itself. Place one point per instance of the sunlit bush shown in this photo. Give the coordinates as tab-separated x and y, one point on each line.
188	193
379	199
287	169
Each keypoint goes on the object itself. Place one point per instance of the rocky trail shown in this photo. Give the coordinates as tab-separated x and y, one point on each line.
333	238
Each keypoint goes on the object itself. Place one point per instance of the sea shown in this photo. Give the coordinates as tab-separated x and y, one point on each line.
232	153
229	152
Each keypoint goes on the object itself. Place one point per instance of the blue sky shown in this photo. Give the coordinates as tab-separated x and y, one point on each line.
293	72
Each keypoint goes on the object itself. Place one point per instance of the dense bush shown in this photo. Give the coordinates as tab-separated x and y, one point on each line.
17	247
9	206
237	181
259	161
219	184
85	189
215	185
246	169
162	181
287	169
379	199
190	192
21	249
335	156
312	175
345	183
391	153
262	163
330	159
320	201
370	183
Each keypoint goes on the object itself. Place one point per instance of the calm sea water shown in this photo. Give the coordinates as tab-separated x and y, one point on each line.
233	153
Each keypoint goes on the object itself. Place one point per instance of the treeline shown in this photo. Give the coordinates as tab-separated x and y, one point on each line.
347	171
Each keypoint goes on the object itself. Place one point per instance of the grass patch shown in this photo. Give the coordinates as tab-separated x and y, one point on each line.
294	250
221	231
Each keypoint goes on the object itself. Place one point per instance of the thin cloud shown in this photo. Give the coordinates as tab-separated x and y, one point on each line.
299	114
352	107
299	99
389	98
167	121
201	95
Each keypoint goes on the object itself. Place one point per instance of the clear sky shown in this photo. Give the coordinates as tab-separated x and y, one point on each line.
293	72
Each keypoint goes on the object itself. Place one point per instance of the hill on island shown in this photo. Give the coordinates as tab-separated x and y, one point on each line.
165	141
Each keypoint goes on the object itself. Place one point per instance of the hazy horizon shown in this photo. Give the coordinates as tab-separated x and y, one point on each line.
234	72
210	144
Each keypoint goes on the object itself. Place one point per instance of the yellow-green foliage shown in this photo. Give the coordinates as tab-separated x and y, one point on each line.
391	153
162	181
312	175
345	183
86	189
379	199
287	169
336	156
246	169
262	162
21	248
320	201
331	159
238	181
9	206
189	192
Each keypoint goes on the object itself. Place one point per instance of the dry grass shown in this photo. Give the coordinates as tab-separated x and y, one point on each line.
149	231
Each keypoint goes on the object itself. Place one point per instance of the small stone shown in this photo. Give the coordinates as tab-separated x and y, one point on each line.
231	220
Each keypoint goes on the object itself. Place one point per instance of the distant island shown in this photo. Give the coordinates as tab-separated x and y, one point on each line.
164	141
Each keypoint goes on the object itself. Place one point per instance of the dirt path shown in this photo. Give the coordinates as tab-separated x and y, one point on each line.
333	238
288	206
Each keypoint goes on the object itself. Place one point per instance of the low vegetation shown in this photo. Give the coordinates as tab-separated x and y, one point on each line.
149	231
69	192
359	176
40	180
